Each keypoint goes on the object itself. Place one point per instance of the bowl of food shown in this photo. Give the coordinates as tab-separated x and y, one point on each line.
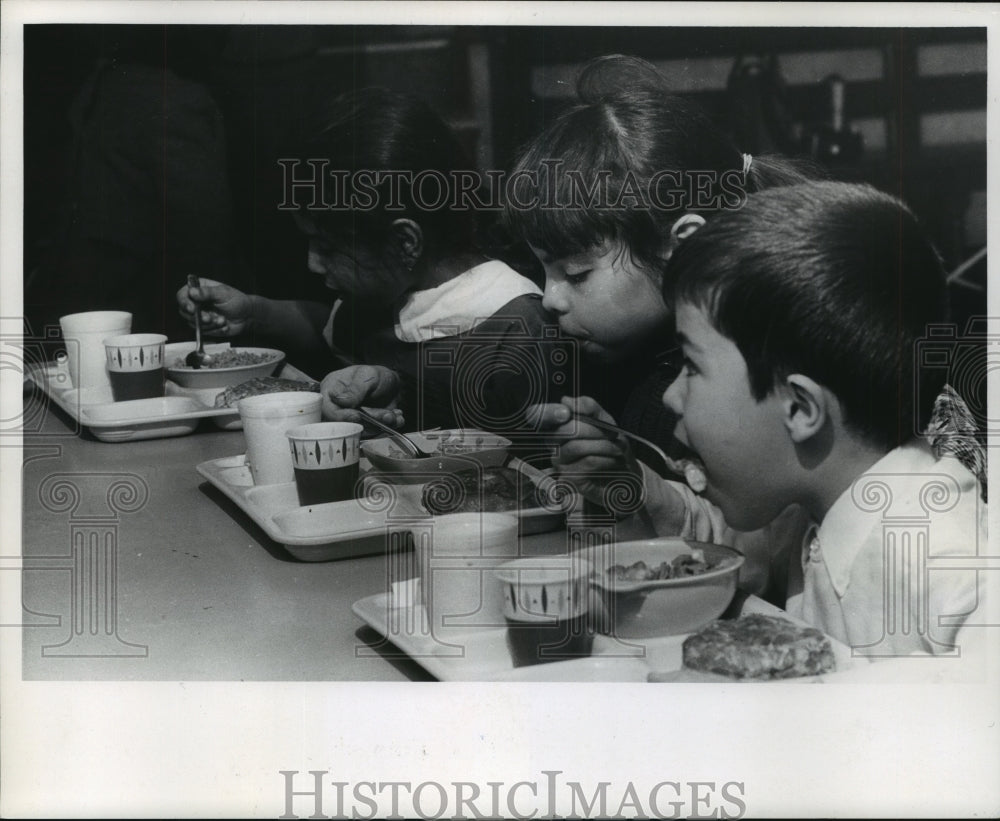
661	587
451	451
228	366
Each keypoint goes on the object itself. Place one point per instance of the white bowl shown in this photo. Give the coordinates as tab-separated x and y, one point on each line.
665	607
476	447
218	377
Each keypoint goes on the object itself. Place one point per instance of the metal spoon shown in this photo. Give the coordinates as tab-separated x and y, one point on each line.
653	456
197	358
396	436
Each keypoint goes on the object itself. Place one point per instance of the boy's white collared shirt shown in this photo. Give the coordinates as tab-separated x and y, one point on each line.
867	575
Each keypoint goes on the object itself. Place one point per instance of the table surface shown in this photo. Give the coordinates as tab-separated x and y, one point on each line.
136	569
185	586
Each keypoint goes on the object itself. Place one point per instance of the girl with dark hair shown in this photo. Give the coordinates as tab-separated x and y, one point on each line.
421	320
635	170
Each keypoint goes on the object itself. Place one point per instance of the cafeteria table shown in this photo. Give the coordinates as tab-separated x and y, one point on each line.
135	568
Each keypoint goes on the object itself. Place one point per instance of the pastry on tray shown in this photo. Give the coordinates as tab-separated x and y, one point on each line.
758	647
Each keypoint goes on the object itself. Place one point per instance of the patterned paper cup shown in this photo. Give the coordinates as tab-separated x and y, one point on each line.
135	365
325	461
545	603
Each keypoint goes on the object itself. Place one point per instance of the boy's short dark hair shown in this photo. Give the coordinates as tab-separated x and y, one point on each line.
835	281
379	130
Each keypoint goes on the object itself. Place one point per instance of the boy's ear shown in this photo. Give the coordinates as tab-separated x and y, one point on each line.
409	238
805	407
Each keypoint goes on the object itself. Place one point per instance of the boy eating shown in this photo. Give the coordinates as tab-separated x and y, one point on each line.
799	317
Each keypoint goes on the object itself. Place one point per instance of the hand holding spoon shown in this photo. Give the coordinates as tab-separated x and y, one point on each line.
653	456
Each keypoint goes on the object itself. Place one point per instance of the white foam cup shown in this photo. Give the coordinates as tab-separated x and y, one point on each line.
84	335
457	566
266	418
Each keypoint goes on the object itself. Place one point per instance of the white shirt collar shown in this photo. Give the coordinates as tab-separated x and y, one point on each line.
461	303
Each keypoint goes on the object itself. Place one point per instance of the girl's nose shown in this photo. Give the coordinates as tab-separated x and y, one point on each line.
673	396
554	298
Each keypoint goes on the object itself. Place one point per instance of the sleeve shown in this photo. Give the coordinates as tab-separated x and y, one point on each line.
329	330
353	325
962	592
676	510
511	361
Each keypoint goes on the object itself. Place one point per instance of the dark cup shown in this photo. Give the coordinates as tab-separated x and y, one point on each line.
135	365
126	385
531	642
332	485
545	603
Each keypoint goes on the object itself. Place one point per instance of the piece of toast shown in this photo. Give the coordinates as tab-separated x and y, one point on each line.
262	384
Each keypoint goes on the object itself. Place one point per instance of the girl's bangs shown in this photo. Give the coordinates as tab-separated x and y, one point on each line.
563	231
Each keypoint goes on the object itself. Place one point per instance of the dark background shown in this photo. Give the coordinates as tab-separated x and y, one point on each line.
917	97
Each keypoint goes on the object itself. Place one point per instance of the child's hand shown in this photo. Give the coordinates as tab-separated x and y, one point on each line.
225	311
592	459
373	387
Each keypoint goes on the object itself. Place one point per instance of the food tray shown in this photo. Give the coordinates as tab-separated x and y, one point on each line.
176	414
482	655
339	530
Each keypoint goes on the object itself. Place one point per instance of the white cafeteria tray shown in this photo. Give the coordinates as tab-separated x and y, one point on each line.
176	414
338	530
482	654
